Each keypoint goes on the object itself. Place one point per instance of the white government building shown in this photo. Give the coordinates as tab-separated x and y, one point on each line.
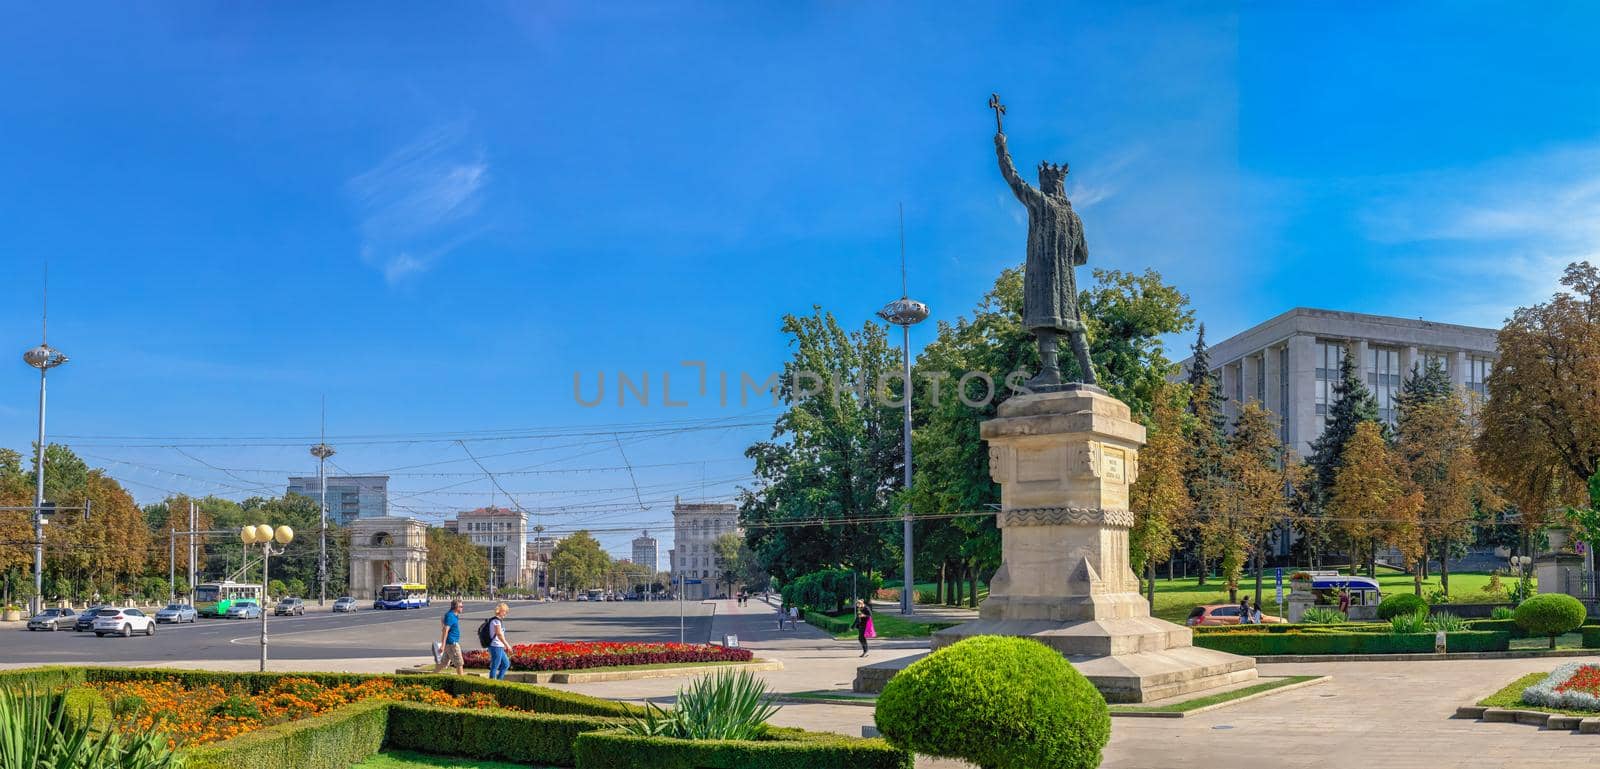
1290	363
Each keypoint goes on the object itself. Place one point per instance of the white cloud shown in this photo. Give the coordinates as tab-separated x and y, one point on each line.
418	204
1501	232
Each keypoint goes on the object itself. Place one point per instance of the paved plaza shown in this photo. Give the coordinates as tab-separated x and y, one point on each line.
1393	714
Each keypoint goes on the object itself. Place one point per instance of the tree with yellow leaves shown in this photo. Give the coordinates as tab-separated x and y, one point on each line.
1371	502
1159	497
1251	499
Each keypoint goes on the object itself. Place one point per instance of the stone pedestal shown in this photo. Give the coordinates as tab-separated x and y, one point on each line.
1064	462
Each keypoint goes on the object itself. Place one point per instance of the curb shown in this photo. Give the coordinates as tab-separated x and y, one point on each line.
1268	659
581	677
1539	718
1226	703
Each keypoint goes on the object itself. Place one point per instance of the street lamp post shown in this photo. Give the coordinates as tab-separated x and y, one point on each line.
322	451
264	535
44	357
905	313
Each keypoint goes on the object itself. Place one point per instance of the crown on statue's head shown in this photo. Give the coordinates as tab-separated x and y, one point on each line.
1052	171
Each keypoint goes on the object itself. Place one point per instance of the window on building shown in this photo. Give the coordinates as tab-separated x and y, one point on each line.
1283	393
1383	377
1440	359
1261	379
1328	357
1478	368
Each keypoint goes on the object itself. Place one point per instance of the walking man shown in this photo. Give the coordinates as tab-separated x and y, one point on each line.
450	640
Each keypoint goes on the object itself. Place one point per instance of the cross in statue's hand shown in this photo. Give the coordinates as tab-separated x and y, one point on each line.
999	109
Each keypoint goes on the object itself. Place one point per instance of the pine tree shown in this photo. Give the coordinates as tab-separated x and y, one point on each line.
1203	475
1352	405
1428	384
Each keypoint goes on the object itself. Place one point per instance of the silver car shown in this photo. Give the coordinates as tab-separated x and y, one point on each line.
53	619
177	612
344	604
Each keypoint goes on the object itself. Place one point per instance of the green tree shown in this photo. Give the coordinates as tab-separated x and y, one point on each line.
834	455
1252	498
455	565
1203	471
1353	404
1371	500
580	563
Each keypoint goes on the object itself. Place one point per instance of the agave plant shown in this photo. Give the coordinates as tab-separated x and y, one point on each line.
1409	623
1317	615
37	732
1447	622
728	705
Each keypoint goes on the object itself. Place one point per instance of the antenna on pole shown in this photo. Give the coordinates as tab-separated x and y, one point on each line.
903	292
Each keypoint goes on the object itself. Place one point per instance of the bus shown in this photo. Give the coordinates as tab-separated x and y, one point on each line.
410	595
212	599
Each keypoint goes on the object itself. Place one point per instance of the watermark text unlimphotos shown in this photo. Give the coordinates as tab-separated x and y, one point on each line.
975	389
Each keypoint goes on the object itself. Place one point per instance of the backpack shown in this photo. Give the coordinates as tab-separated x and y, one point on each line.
484	634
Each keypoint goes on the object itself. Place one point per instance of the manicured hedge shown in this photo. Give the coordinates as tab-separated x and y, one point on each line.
1266	644
1288	627
527	738
782	749
334	740
511	694
829	624
1591	636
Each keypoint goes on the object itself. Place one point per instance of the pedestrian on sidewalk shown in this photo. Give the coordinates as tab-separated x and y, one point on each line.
794	618
499	650
783	613
863	625
450	640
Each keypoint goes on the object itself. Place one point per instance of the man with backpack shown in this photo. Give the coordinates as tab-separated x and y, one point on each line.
450	640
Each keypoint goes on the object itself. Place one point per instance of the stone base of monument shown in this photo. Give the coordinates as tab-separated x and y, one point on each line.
1064	461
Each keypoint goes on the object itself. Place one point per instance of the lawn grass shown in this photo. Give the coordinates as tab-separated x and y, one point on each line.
405	759
1201	702
895	626
1511	698
1565	641
1175	597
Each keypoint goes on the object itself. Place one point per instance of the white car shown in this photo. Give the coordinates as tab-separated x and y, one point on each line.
123	621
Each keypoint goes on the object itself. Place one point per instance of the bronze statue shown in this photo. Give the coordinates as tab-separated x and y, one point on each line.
1055	247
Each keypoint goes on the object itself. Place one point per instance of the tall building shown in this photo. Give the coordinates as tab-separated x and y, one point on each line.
646	550
503	536
543	547
695	529
1291	363
349	496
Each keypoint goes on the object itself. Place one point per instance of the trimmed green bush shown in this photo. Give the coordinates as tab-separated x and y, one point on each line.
1591	636
830	624
829	590
1551	614
1000	703
1401	604
1267	644
528	738
780	749
1501	625
334	740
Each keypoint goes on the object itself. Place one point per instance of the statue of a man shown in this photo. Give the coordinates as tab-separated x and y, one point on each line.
1055	246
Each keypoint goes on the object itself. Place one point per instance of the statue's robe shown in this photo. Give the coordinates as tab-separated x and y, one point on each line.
1055	246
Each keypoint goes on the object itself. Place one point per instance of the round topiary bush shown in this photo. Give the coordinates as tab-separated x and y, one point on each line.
1000	703
1401	604
1551	614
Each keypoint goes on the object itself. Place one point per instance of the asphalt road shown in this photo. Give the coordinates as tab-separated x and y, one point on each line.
365	633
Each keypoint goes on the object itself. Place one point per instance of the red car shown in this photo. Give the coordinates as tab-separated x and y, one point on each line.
1224	614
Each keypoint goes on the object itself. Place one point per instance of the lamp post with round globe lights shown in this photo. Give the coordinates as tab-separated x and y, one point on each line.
264	535
44	357
905	313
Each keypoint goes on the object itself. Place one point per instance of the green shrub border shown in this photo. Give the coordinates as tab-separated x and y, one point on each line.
1256	644
552	735
782	749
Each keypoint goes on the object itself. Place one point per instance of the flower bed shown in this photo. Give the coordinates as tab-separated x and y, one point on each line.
1573	686
605	654
197	714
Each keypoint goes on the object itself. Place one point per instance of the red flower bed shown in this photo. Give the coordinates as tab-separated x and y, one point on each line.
1586	679
603	654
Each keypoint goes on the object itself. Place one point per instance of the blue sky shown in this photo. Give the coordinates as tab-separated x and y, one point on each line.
435	217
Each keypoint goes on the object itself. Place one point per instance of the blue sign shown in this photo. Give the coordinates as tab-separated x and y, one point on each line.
691	582
1279	579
